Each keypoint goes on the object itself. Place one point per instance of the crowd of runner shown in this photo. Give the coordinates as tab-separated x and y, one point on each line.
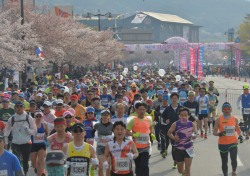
104	122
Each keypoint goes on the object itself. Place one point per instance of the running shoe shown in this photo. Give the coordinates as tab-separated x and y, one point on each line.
205	136
159	146
174	166
247	137
202	135
164	154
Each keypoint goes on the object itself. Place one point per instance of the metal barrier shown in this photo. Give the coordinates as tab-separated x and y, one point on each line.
231	96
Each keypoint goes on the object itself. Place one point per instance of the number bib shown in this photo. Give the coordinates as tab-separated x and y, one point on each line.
212	103
230	130
143	139
3	173
203	107
183	99
122	164
78	169
103	141
246	110
39	138
192	111
190	151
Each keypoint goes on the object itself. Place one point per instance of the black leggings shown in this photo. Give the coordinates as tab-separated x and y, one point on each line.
224	159
165	141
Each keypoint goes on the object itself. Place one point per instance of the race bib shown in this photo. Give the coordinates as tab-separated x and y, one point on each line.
192	111
3	173
183	99
246	110
122	164
190	151
212	103
143	139
78	169
230	130
39	138
203	107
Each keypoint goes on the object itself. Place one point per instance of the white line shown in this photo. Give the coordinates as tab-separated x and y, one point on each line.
239	161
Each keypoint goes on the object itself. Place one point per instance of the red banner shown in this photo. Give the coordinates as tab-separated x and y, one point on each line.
199	71
61	13
192	61
183	61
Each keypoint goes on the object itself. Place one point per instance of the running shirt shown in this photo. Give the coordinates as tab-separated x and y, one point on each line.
183	94
120	163
123	119
184	132
193	109
89	127
78	159
54	145
105	100
39	137
203	104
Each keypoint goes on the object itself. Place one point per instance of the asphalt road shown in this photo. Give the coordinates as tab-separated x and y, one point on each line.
207	158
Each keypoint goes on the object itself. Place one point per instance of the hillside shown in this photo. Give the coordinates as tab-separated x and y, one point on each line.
216	16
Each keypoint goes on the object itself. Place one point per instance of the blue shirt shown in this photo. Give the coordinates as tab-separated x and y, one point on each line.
9	163
105	100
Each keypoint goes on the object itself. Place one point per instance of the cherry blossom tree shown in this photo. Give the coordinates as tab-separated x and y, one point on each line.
16	41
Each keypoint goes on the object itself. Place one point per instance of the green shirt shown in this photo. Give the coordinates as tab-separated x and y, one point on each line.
4	114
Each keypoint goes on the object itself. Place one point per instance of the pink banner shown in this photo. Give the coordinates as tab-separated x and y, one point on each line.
192	61
237	58
183	61
200	72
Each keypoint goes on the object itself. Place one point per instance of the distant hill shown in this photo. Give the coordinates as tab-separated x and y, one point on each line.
216	16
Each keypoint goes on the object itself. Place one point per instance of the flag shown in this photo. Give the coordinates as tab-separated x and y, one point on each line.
61	13
192	60
39	52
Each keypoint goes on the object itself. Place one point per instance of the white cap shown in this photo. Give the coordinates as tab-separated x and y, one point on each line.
40	95
174	90
147	81
40	89
59	101
47	103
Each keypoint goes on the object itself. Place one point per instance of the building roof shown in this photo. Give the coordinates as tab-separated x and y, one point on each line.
167	17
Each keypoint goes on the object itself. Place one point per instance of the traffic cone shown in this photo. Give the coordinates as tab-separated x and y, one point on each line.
231	77
235	78
239	78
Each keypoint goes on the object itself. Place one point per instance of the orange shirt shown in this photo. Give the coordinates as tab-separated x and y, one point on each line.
59	113
80	112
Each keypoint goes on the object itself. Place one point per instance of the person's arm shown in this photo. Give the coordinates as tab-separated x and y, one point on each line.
129	127
238	101
65	149
216	127
237	127
194	130
134	150
33	129
165	117
170	133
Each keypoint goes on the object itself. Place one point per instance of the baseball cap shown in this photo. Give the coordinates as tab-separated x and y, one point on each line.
1	94
40	95
149	102
19	103
245	86
21	95
66	113
226	105
78	125
59	101
105	111
165	97
73	97
32	103
5	100
174	90
192	93
38	112
160	92
15	92
46	103
136	96
90	109
133	85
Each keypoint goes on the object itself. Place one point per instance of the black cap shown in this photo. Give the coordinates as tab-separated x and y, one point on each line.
78	125
19	103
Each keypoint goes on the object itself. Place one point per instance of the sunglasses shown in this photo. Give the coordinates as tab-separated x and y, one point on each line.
78	131
90	94
38	116
19	106
68	117
90	113
96	103
227	109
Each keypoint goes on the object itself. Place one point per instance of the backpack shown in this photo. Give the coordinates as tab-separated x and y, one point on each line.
13	120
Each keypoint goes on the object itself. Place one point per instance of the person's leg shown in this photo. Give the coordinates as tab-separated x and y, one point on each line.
173	156
245	118
233	155
144	169
33	158
137	164
180	166
157	133
101	160
16	150
163	139
25	149
40	161
206	125
188	162
224	160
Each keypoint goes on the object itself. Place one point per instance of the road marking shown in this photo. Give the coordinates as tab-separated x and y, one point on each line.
239	161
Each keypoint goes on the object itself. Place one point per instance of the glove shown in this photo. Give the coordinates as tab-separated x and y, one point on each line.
153	136
105	165
130	156
137	134
223	133
94	161
240	138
